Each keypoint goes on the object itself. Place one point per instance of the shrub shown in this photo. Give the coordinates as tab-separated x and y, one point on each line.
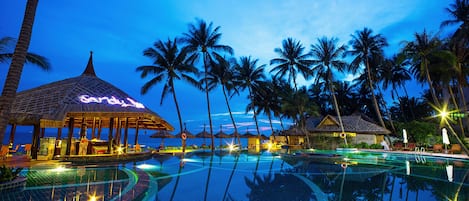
8	174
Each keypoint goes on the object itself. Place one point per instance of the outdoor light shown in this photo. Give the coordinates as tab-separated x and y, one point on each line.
59	169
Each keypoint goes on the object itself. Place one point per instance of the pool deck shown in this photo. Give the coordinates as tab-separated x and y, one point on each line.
456	156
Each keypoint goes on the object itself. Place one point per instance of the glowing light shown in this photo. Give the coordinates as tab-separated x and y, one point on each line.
93	197
232	147
120	150
110	100
146	166
59	169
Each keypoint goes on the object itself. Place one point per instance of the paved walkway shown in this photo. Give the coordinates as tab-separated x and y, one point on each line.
458	156
24	161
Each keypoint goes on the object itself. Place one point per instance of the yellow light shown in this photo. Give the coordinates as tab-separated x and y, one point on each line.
444	114
59	169
119	150
93	197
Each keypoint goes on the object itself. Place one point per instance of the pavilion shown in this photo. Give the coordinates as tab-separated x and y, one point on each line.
83	102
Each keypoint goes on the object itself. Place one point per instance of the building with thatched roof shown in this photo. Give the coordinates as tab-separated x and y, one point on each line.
85	101
357	128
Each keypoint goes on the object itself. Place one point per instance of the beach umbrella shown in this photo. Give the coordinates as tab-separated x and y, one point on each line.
203	134
404	136
221	135
449	172
162	134
444	134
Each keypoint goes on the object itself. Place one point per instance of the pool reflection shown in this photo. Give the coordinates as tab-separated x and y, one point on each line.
255	176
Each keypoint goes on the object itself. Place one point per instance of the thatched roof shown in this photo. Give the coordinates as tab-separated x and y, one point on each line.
353	123
85	97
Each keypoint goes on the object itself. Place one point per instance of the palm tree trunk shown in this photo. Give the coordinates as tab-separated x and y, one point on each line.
16	67
231	176
231	115
255	117
208	100
336	106
463	100
375	101
271	126
456	107
183	141
430	86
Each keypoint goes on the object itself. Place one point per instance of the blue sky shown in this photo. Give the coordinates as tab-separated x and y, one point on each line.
118	31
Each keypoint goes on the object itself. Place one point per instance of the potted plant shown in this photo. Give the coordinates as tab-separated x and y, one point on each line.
10	179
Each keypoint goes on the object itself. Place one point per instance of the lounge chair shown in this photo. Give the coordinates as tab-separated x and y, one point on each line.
4	152
455	149
27	149
15	150
437	148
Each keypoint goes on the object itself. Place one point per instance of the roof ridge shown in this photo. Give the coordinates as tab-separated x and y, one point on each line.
89	70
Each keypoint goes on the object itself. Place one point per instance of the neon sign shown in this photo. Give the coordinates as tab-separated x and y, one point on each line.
110	100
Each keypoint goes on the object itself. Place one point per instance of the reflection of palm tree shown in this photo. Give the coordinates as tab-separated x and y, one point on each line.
181	166
231	175
208	177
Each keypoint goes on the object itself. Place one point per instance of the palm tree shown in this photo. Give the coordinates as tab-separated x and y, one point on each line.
5	45
367	47
326	58
16	67
299	107
419	52
291	61
265	101
169	64
222	72
249	74
459	12
203	40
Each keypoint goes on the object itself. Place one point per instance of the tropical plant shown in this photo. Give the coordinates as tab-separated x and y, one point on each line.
419	52
248	73
291	62
327	57
367	47
222	72
16	66
169	64
8	173
6	44
203	40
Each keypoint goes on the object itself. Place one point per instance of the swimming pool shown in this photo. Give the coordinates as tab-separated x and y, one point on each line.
320	175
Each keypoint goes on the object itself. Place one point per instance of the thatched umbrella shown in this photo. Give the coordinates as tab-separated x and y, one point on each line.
203	134
221	135
163	134
188	134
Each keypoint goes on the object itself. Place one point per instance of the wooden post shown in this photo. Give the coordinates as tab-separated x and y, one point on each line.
59	133
118	132
43	132
93	129
35	144
100	122
12	134
109	137
136	133
126	132
71	122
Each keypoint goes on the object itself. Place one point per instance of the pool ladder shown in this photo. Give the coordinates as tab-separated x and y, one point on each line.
419	158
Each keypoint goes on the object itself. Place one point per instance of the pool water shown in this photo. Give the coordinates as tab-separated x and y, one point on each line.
253	176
